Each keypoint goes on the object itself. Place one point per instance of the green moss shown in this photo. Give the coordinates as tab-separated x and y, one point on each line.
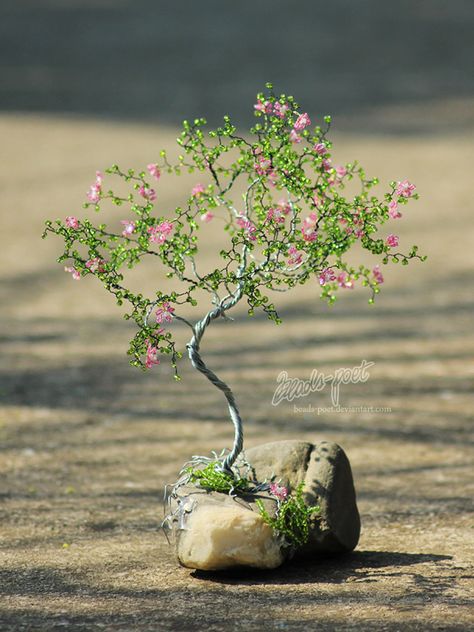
214	478
292	519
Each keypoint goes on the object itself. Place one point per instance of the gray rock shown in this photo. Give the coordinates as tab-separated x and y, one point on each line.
215	531
329	483
287	460
327	476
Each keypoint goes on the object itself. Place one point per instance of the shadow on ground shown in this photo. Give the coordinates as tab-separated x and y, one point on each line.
164	607
147	59
358	566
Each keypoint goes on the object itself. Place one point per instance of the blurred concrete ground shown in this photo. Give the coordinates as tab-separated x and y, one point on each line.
87	443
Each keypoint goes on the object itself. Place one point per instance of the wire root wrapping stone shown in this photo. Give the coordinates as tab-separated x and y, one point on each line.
215	531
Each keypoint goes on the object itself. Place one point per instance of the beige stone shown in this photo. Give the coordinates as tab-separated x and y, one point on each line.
216	537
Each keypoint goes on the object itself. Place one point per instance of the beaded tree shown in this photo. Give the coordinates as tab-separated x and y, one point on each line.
291	225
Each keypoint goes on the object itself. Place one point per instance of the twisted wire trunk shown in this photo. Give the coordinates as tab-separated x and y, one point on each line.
199	364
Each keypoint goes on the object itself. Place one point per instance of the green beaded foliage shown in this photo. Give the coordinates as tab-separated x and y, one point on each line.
214	478
260	188
292	519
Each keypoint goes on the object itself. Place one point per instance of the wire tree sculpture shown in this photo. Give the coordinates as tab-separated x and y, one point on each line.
291	225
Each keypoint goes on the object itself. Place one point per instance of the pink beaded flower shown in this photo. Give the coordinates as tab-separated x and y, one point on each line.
279	491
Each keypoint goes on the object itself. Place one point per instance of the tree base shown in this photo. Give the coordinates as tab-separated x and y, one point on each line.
215	531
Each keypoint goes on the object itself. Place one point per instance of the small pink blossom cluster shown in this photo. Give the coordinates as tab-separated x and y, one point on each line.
265	107
284	206
327	166
72	222
279	491
151	357
93	265
392	241
272	178
342	278
278	109
301	122
129	227
344	281
340	172
327	275
197	190
160	233
318	200
295	137
153	170
249	227
378	276
96	265
320	149
295	257
147	193
358	225
95	190
404	189
393	211
263	166
164	314
279	213
207	217
76	274
308	228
